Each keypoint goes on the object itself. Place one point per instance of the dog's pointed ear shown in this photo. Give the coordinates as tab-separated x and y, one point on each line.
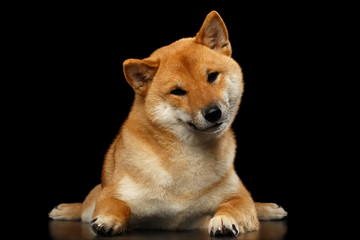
214	34
139	73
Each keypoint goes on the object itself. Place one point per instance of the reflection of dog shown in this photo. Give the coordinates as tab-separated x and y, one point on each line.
171	165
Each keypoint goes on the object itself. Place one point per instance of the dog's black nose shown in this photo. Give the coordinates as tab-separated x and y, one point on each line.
212	113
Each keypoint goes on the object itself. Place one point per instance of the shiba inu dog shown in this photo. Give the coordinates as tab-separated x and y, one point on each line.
171	165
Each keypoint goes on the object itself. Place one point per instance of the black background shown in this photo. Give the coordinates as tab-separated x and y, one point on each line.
74	96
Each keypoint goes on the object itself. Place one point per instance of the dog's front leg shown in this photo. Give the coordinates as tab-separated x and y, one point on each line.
111	214
236	215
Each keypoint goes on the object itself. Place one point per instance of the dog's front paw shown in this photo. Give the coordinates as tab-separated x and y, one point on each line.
107	225
223	225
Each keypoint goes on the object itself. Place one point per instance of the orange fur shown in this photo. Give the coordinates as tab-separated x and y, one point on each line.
171	165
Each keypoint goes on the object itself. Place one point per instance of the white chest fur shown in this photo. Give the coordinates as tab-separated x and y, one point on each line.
182	196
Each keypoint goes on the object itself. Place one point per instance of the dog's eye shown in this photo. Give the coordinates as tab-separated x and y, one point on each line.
178	92
212	77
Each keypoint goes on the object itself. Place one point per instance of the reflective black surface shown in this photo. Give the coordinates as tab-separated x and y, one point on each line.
61	230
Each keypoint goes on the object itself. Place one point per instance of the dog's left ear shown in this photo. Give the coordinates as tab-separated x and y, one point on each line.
213	33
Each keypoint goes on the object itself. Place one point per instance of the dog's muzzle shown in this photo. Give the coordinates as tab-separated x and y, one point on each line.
212	129
210	120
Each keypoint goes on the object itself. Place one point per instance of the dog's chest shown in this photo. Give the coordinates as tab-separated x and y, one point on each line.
178	192
168	207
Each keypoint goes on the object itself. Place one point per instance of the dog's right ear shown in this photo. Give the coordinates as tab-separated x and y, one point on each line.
139	73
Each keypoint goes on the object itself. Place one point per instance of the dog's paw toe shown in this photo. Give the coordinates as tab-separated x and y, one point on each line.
101	230
107	225
224	226
279	212
271	211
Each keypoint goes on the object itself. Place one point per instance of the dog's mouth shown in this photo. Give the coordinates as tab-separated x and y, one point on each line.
212	129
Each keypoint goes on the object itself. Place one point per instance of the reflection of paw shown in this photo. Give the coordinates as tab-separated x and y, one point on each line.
270	211
223	225
107	225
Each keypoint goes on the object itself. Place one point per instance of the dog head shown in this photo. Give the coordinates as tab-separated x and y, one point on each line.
191	87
